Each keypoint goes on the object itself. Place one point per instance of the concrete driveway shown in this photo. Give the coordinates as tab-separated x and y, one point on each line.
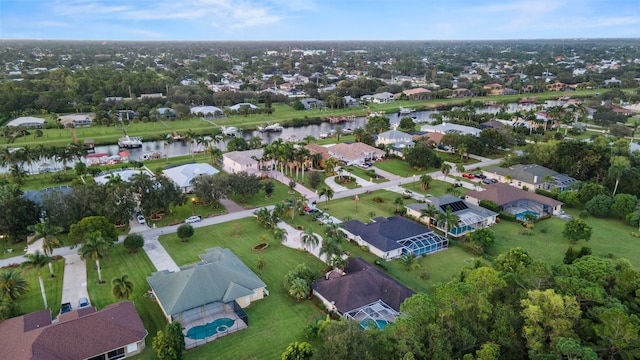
74	284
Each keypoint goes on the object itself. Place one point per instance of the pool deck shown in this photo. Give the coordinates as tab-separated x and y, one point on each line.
237	326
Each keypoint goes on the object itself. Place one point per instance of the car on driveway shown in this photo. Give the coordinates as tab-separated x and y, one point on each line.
468	176
65	308
141	220
193	219
83	303
487	181
479	176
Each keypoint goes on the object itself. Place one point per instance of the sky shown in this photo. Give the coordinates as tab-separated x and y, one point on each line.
231	20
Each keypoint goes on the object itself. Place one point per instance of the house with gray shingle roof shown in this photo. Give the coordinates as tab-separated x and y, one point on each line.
530	177
183	175
397	139
392	237
216	288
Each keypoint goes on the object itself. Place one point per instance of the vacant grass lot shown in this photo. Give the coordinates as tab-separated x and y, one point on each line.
280	193
436	188
274	321
365	174
345	208
32	300
138	267
400	167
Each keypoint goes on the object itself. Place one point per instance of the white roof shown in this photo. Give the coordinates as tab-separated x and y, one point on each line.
125	175
446	128
182	175
239	105
25	120
205	110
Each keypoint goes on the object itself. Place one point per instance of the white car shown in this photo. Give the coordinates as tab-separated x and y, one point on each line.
193	219
141	220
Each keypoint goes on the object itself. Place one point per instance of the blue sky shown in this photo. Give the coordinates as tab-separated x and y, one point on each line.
318	19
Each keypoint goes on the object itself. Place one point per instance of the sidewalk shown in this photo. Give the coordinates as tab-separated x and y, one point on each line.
308	193
159	255
293	241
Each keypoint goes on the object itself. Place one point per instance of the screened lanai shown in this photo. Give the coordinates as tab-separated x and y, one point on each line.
376	314
424	244
522	207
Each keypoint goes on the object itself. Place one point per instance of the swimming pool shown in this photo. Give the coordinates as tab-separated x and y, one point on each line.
209	329
369	323
520	216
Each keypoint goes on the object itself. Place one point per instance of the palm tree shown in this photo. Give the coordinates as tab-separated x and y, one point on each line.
359	134
37	261
398	202
619	166
338	131
409	261
122	287
331	247
309	139
327	192
215	155
450	220
445	169
460	168
307	237
330	165
94	247
430	212
425	181
260	263
299	289
47	233
462	151
190	136
12	284
280	234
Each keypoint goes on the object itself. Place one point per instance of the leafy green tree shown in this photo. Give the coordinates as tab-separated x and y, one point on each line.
483	237
185	231
570	198
298	351
576	230
623	205
12	284
237	144
89	225
346	340
134	242
619	333
269	187
169	344
572	349
211	188
243	185
122	287
589	190
377	125
315	179
37	261
16	213
599	205
407	125
95	246
421	157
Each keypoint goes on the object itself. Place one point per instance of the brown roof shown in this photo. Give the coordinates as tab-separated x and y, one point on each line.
503	194
362	285
493	124
318	149
433	136
353	151
416	91
80	335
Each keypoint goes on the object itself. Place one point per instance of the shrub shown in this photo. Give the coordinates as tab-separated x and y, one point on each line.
570	198
547	194
364	248
599	205
380	263
507	216
134	242
377	199
488	204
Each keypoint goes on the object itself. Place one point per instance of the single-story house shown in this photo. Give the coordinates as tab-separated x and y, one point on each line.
382	98
356	153
390	238
470	216
245	161
417	93
446	128
76	120
166	112
312	103
115	332
398	139
125	175
530	177
27	121
183	175
351	102
515	201
207	111
362	293
237	107
318	149
492	124
208	298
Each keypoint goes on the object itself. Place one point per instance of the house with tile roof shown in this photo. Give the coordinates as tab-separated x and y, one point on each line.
531	177
515	201
218	287
356	153
362	293
115	332
470	216
248	161
417	93
183	175
390	238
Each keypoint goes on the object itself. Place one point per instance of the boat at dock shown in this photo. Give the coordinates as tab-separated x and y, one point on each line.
271	128
405	111
339	119
229	130
130	142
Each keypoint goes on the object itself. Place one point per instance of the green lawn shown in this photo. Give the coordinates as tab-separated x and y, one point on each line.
345	208
306	183
177	214
138	267
365	174
275	321
455	158
280	193
400	167
32	300
437	188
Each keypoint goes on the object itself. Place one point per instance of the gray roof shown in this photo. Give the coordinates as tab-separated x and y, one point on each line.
457	206
239	105
220	277
530	173
26	121
446	128
395	135
384	233
182	175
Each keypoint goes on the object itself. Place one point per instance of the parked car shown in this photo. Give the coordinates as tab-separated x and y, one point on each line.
487	181
468	176
193	219
141	220
83	303
479	176
65	308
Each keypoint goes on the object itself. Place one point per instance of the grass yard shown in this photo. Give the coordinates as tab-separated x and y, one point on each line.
280	193
138	267
365	174
306	183
400	167
455	158
437	188
345	208
32	300
274	321
178	214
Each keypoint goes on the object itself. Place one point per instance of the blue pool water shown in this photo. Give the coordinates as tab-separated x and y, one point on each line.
209	329
367	324
520	216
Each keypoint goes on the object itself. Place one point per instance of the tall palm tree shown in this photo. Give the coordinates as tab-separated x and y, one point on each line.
330	166
47	233
445	169
328	193
331	247
430	212
280	234
12	284
215	155
459	168
95	247
307	237
450	220
190	136
122	287
37	261
619	166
